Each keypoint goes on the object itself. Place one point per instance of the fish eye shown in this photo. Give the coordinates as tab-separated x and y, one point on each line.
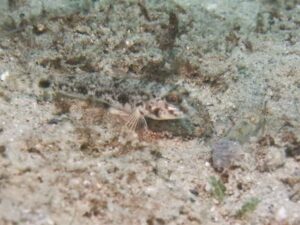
156	112
171	111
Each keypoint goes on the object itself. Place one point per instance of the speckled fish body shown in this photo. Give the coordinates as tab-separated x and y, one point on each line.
122	93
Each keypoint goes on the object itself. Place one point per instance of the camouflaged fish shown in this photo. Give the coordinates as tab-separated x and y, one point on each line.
138	99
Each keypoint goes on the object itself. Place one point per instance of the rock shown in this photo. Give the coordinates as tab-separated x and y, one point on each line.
224	153
272	159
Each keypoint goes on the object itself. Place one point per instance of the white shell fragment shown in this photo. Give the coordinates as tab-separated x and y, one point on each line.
4	75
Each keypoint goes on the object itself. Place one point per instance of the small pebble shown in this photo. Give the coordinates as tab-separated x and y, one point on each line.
281	214
274	158
39	28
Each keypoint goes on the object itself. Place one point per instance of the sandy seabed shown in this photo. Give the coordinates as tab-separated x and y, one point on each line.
66	161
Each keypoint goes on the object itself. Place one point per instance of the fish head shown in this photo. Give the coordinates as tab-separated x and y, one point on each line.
162	110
